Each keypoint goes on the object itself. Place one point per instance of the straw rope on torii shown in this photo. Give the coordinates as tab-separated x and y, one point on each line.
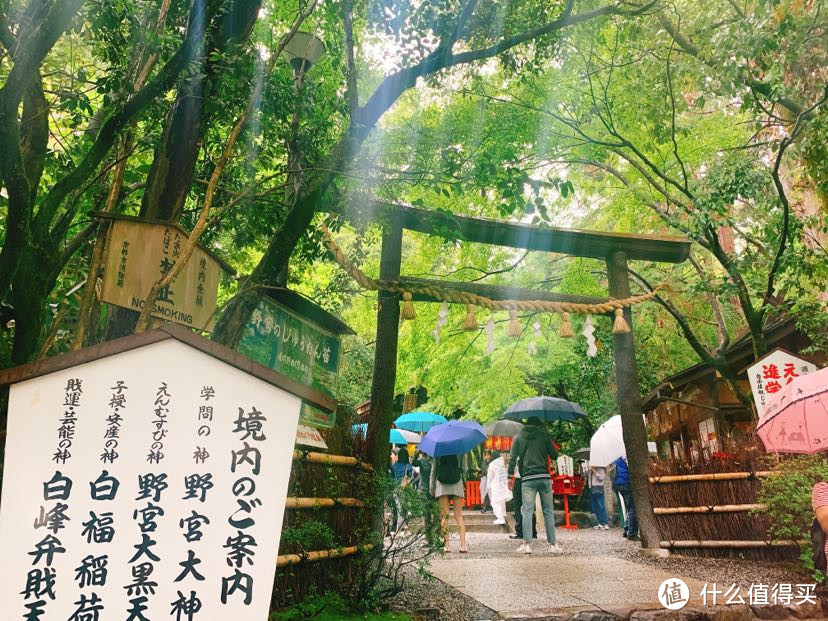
472	299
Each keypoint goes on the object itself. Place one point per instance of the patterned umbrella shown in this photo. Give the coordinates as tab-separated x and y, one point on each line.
795	419
401	436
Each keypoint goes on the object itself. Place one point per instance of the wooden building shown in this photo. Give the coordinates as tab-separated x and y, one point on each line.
689	413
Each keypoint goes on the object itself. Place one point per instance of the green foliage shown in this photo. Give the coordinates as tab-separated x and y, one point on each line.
329	607
787	495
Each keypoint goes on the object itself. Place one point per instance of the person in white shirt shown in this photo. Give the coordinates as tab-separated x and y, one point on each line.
498	483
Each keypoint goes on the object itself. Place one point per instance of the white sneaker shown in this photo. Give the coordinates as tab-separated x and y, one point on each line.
605	527
554	548
499	522
597	527
524	549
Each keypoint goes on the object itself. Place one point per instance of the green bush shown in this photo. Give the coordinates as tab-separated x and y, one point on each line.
787	496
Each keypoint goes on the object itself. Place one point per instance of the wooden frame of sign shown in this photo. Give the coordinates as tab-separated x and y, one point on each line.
139	251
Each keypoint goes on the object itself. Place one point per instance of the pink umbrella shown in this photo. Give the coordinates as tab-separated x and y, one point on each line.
795	419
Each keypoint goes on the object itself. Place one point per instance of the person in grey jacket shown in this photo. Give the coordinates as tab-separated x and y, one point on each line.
531	452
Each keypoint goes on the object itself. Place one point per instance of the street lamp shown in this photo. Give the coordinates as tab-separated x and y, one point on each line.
303	50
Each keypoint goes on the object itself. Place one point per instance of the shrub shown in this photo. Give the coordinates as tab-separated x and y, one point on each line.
787	496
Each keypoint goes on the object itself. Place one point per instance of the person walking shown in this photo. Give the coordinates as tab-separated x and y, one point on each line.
531	452
499	491
446	485
596	476
403	473
517	498
621	484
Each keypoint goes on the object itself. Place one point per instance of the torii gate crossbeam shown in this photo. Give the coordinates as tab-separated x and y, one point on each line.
615	249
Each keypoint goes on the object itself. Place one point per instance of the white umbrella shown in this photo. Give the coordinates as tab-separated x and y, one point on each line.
403	436
607	444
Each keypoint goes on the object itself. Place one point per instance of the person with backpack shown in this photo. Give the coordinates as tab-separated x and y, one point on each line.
447	484
531	452
403	473
620	472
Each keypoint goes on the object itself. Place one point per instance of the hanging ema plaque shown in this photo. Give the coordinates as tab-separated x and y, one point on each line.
145	479
139	253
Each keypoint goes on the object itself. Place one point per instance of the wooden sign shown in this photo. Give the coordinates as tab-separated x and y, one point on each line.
300	349
139	253
566	465
146	484
774	371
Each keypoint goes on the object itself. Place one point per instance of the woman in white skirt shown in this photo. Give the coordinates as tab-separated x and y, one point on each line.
447	483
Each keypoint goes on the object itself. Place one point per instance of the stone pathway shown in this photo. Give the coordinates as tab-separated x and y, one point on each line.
541	585
599	570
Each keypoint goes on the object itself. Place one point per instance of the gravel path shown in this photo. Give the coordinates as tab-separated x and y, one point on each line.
485	548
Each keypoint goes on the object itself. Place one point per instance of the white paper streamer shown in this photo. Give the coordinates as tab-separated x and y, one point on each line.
442	320
532	350
490	346
589	333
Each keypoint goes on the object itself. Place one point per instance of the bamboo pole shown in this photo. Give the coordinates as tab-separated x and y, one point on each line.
714	476
319	555
295	502
710	509
333	460
695	543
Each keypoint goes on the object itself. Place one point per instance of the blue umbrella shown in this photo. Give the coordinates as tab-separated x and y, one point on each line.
419	421
452	438
546	409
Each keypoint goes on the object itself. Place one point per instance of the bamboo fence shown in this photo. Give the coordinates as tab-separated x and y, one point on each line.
325	528
711	508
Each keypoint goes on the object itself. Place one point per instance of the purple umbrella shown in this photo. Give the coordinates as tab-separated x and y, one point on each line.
452	438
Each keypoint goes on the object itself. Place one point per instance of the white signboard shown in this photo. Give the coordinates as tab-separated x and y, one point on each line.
770	374
309	436
146	485
566	466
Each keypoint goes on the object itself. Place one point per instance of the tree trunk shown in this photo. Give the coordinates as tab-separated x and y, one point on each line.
628	397
381	414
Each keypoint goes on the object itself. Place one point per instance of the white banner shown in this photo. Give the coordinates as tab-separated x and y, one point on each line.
146	485
770	374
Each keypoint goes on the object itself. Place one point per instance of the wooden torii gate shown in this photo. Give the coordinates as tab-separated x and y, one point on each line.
614	248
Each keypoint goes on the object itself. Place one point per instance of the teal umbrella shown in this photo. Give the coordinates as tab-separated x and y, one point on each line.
419	421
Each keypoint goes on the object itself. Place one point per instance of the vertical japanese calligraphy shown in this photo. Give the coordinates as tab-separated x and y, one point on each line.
166	501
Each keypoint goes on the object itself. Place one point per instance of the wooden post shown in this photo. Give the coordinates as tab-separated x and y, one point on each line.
381	414
628	398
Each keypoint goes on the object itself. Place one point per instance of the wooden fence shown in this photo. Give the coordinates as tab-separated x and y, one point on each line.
715	513
326	526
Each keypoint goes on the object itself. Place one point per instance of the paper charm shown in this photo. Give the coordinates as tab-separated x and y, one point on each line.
589	333
533	345
490	346
442	319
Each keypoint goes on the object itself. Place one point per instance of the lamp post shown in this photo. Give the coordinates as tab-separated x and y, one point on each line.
301	51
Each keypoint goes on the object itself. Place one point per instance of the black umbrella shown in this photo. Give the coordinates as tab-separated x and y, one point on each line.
503	428
546	409
582	453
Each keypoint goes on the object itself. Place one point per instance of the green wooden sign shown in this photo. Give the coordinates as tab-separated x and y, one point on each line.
282	340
